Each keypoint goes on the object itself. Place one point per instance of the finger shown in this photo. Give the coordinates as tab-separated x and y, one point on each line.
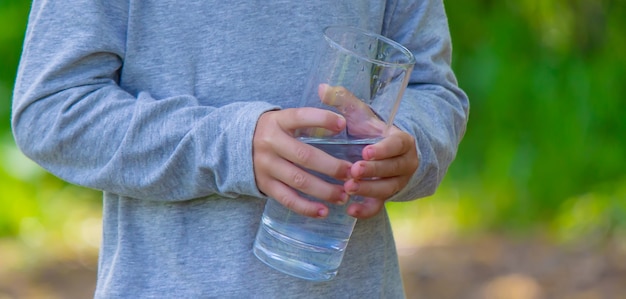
271	184
292	201
301	118
366	208
309	157
377	188
305	182
398	166
361	120
342	99
280	143
396	144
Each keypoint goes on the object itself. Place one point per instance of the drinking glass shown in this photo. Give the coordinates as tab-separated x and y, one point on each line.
361	75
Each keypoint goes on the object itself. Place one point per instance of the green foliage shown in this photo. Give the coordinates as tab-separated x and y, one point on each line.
35	206
547	107
545	143
13	15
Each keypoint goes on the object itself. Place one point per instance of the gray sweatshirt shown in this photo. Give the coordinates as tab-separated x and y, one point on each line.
155	103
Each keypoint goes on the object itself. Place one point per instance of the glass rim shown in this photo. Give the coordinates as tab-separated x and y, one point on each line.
402	49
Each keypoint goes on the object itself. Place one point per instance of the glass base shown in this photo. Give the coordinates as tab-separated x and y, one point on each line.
293	268
288	266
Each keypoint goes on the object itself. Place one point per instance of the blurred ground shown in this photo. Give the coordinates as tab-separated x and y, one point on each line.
56	280
483	267
505	268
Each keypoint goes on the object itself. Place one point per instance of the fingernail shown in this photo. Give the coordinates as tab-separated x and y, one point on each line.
321	91
370	153
344	198
360	170
354	189
322	213
341	123
354	212
348	173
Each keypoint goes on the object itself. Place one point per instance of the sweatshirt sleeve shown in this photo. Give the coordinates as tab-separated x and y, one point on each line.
434	109
71	116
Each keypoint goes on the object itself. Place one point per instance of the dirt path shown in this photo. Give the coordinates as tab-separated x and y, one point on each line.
497	268
484	268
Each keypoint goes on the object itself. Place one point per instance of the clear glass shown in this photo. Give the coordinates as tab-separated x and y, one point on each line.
362	76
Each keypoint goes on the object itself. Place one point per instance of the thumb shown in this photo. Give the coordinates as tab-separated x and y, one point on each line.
361	121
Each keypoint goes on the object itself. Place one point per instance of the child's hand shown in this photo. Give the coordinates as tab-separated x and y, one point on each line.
278	158
387	166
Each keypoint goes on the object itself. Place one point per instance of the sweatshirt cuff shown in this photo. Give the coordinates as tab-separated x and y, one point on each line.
242	164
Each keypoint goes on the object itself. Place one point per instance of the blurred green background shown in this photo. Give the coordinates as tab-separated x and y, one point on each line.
543	156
